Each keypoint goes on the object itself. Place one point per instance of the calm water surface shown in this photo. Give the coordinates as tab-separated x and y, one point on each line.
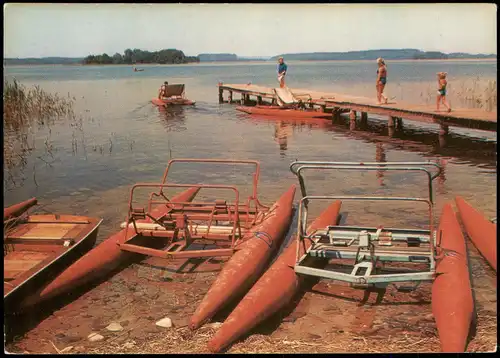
124	139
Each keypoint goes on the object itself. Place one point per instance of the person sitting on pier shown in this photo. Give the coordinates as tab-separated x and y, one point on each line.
381	80
441	93
163	90
282	67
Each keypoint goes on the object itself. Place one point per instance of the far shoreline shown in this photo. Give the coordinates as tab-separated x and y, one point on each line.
251	62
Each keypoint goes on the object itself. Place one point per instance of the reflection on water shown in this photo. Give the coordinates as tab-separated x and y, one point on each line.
441	188
380	158
124	139
281	133
173	118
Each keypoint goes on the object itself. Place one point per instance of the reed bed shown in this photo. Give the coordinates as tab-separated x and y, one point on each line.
25	109
475	93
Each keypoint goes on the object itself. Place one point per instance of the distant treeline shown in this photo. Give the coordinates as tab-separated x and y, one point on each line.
135	56
176	56
402	54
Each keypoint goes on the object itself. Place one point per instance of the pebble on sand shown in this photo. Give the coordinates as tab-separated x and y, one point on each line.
95	337
114	327
164	322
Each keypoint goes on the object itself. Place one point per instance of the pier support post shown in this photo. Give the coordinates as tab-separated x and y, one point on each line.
364	119
335	114
352	120
221	91
230	97
444	129
243	99
399	124
442	140
443	134
392	121
259	100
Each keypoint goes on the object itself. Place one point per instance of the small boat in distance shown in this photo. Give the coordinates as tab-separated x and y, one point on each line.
37	248
138	70
174	95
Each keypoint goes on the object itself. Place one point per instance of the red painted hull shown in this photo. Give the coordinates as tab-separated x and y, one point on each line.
274	290
279	112
482	232
101	260
18	209
248	263
452	302
180	101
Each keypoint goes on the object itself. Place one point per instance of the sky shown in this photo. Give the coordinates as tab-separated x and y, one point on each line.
78	30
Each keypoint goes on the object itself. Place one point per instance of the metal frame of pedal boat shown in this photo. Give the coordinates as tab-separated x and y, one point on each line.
374	244
177	224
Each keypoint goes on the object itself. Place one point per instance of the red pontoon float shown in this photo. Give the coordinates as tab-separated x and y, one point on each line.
482	232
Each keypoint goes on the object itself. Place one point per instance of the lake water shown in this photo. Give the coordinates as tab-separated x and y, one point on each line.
124	139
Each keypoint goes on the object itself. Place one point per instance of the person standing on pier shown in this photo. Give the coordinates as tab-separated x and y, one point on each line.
441	93
282	67
381	80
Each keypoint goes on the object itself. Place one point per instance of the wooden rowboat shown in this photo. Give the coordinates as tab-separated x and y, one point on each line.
482	232
37	248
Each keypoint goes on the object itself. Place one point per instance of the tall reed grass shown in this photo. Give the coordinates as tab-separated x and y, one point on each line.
25	109
475	93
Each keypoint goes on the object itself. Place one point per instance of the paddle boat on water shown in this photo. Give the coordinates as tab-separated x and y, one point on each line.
37	248
375	257
173	95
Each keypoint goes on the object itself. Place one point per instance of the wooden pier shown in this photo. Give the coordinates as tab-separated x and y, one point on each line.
337	103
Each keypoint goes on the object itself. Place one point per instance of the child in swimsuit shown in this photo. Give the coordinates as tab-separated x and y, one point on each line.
381	80
441	93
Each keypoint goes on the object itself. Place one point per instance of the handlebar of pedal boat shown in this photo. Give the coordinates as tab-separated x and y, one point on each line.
321	164
333	165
